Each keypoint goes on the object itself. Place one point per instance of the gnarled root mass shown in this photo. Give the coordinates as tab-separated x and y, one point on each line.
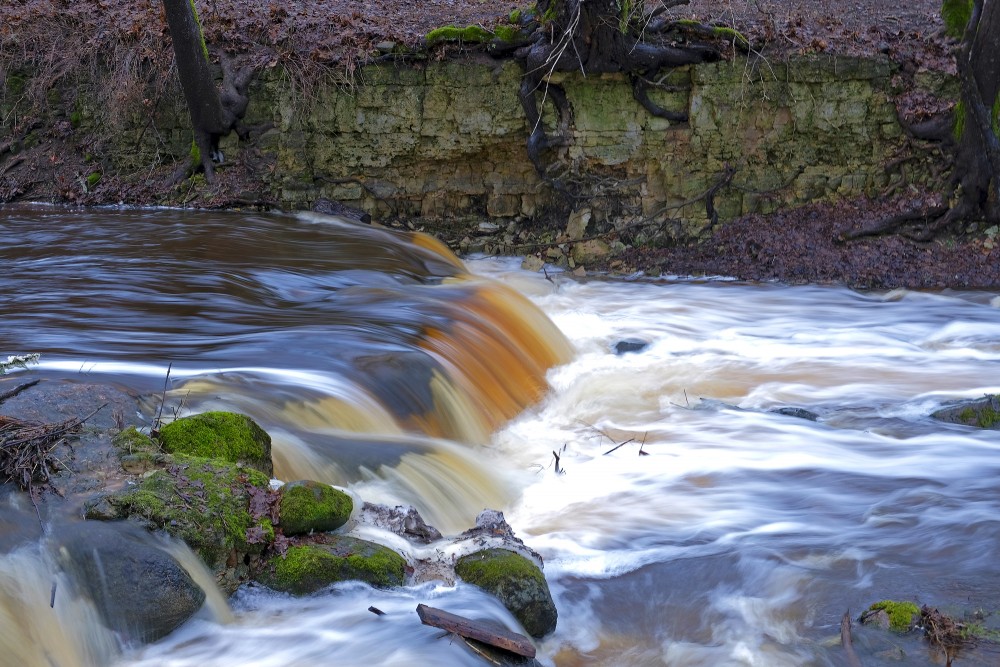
595	37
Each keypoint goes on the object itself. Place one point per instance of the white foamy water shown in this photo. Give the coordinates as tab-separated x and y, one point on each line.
687	523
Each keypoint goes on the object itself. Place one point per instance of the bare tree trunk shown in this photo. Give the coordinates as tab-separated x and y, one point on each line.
212	116
977	163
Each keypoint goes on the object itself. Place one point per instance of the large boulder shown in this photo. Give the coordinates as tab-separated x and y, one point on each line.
204	502
140	590
306	506
310	567
517	582
228	436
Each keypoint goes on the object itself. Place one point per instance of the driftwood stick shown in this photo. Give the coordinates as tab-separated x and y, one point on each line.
505	639
845	639
17	390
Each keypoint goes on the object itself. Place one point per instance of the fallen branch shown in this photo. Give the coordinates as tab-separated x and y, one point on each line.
17	390
466	627
845	640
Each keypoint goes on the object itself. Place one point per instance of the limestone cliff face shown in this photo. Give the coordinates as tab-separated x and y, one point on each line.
447	139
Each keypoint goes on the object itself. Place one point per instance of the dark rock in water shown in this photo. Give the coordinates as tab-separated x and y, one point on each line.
402	520
799	413
517	582
140	590
331	207
311	567
981	413
306	506
629	345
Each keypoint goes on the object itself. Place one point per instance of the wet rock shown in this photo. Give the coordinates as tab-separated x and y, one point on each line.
331	207
402	520
517	582
798	413
590	252
980	413
228	436
627	345
896	616
205	503
140	590
306	506
532	263
576	226
308	568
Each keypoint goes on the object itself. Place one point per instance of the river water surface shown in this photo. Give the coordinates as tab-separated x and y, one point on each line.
682	520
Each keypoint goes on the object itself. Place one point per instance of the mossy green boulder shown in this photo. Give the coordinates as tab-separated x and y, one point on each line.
306	506
220	435
205	503
308	568
517	582
900	615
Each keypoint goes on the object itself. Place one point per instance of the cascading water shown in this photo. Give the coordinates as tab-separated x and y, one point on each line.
686	522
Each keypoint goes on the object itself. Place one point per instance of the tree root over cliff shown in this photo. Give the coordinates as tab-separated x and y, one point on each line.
596	37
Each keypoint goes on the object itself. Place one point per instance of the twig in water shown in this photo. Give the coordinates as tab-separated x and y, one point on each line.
376	611
621	444
163	399
559	471
17	390
845	640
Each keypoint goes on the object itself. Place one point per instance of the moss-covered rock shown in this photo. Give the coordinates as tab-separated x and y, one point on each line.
220	435
309	568
517	582
981	413
307	506
205	503
900	615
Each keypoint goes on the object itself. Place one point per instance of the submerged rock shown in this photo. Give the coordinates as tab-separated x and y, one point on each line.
981	413
306	506
220	435
139	589
629	345
308	568
517	582
798	413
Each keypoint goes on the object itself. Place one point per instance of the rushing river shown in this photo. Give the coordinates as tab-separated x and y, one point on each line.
682	520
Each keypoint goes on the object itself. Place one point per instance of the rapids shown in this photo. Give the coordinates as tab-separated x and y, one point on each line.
685	522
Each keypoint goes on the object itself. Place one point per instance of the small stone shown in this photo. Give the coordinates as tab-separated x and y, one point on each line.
629	345
532	263
576	227
385	47
306	506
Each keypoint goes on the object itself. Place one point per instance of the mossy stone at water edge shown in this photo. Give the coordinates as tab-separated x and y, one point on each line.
900	614
981	413
308	506
220	435
201	501
309	568
517	582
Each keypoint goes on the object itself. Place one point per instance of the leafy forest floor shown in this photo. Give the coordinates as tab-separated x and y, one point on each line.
313	38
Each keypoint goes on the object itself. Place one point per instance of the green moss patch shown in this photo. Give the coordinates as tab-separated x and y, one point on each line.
472	34
981	413
901	614
307	506
517	582
309	568
203	502
220	435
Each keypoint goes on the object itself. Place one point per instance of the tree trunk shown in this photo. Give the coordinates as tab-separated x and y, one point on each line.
212	116
977	164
